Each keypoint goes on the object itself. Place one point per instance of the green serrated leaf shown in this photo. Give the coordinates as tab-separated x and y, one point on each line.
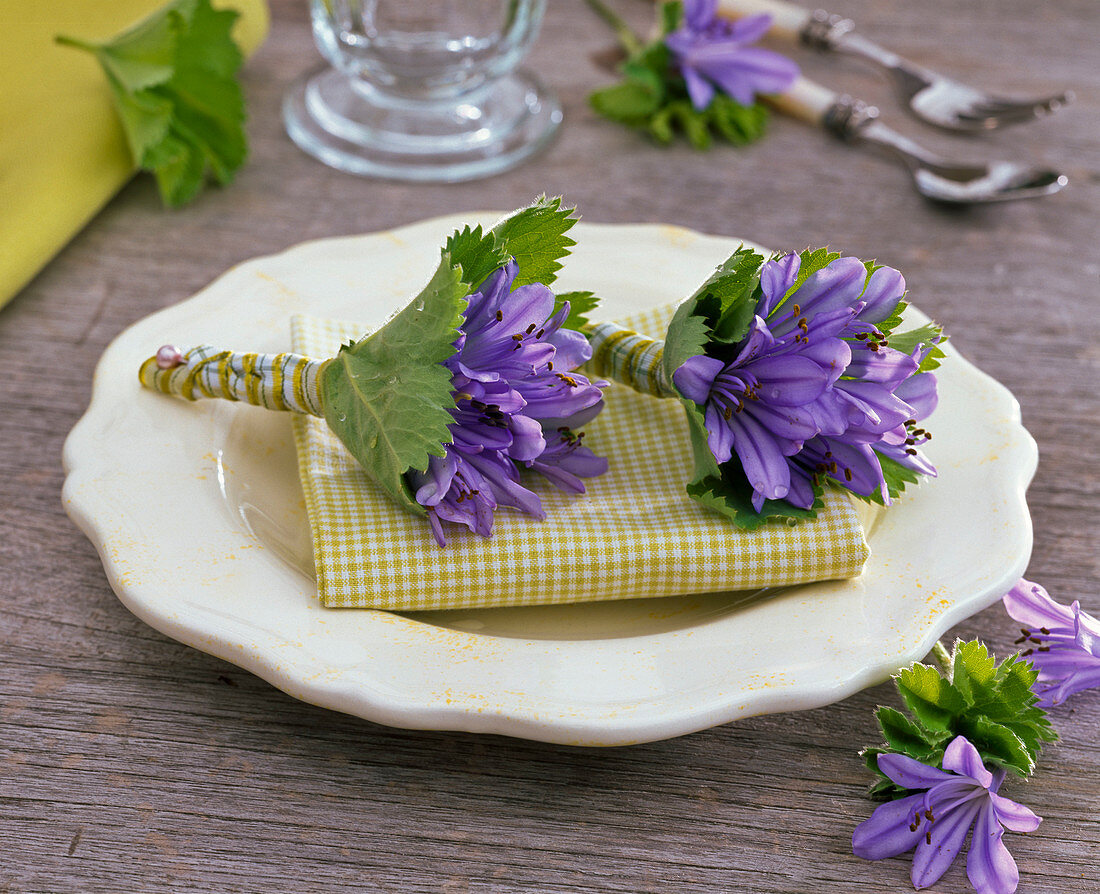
476	252
734	286
581	304
388	396
731	496
535	237
933	700
997	744
173	79
736	123
973	669
929	334
906	737
629	102
686	338
660	126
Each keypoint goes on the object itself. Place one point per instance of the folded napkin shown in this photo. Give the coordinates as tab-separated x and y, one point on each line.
635	533
62	150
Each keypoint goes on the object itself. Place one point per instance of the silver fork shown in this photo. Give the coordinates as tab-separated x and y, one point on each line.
929	96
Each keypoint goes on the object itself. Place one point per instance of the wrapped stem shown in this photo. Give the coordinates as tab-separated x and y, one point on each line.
274	381
631	359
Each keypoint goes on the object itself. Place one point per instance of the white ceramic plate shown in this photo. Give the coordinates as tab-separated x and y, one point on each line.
198	516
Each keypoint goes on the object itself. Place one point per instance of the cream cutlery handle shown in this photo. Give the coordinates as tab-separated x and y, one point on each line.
806	100
788	20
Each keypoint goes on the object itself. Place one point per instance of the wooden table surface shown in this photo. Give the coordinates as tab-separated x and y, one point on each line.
129	762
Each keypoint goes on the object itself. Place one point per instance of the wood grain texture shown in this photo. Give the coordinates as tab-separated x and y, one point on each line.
129	762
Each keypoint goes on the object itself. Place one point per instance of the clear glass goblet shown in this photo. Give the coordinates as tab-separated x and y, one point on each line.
422	89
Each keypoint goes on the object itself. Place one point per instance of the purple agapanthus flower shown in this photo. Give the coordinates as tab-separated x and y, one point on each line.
937	819
714	54
814	390
1063	642
518	402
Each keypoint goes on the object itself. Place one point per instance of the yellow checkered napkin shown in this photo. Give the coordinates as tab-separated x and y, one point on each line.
635	533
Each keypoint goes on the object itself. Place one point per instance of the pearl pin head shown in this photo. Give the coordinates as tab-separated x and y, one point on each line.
169	356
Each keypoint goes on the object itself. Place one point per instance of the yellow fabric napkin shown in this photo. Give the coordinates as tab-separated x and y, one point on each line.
63	153
635	533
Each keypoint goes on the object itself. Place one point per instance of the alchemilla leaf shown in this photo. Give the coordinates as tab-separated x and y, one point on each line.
173	78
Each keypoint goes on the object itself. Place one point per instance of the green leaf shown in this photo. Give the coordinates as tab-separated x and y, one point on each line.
670	14
535	237
997	744
173	79
731	495
387	397
929	334
581	304
686	338
476	252
736	123
629	102
904	736
734	287
660	126
934	700
973	669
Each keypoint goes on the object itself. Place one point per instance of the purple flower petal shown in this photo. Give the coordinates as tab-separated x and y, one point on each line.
790	380
720	437
989	865
831	288
948	834
776	277
695	377
961	757
699	14
527	440
1030	604
700	90
763	462
1014	816
751	28
886	832
513	368
882	295
910	773
920	393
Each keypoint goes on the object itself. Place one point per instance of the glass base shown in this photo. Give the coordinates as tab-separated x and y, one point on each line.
351	126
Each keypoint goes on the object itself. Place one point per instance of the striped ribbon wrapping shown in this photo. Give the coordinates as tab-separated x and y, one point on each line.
275	381
634	360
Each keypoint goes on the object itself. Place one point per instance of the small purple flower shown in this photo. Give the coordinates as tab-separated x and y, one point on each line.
1063	642
814	389
713	53
517	402
937	819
